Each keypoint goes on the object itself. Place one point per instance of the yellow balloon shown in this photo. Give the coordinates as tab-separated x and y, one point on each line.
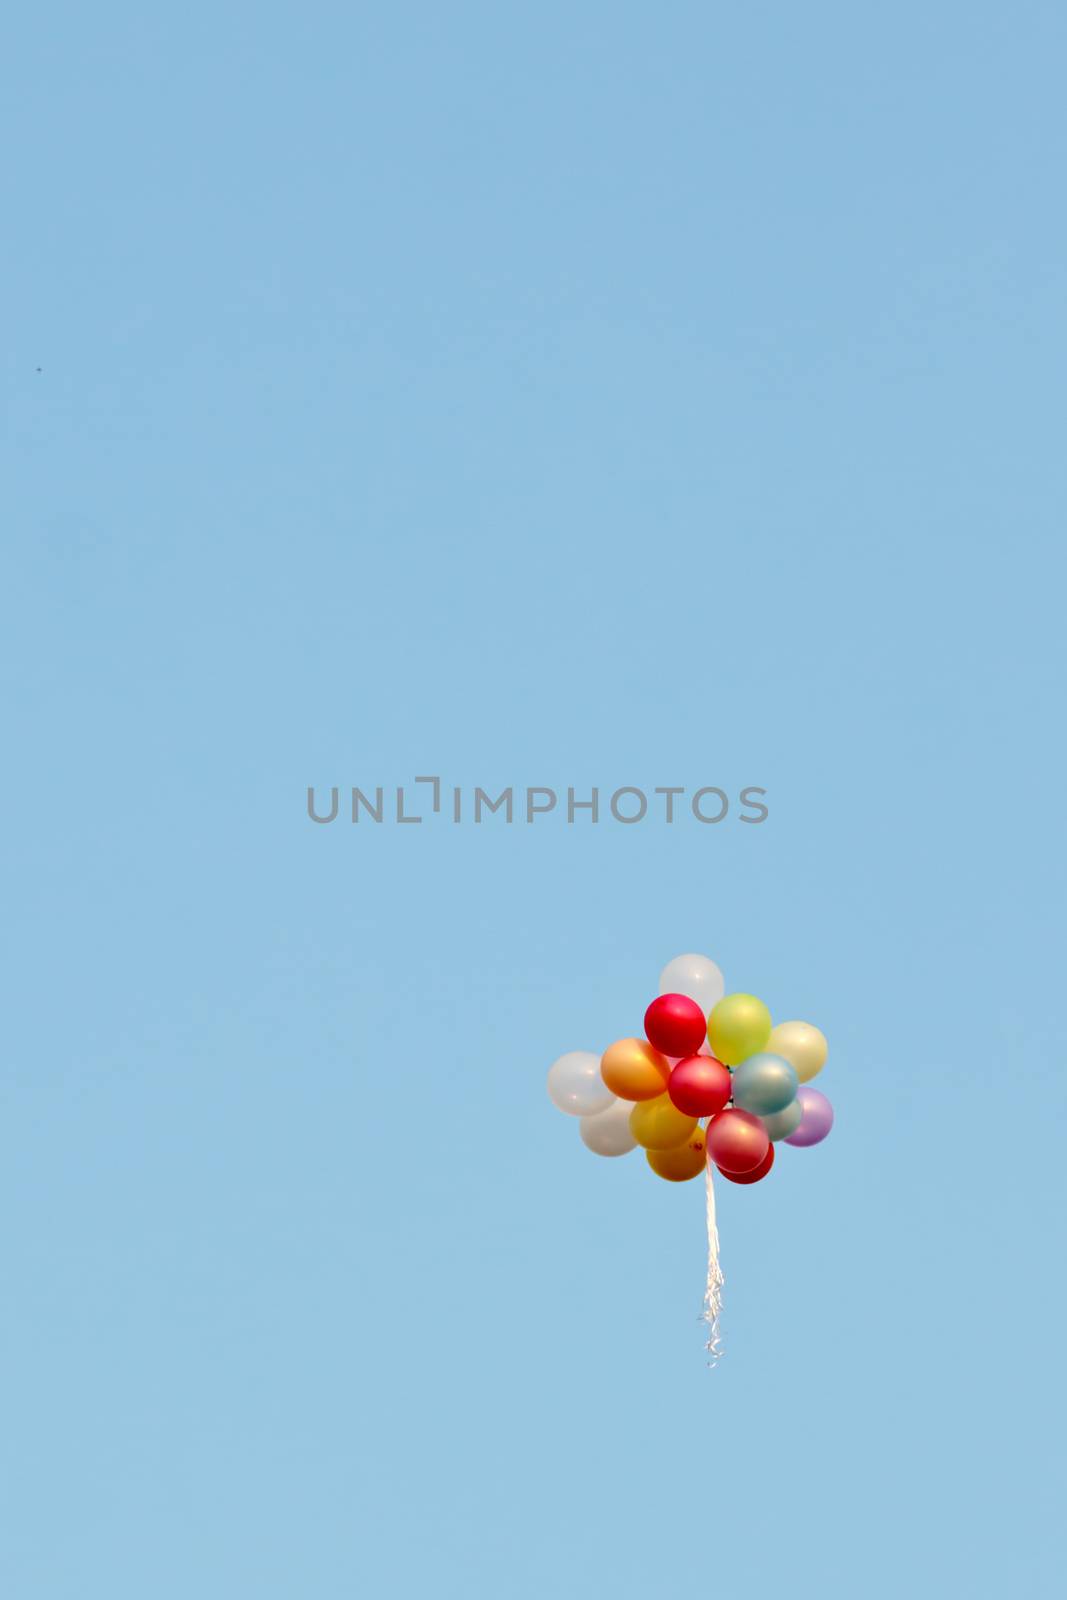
802	1045
738	1026
633	1070
685	1161
659	1125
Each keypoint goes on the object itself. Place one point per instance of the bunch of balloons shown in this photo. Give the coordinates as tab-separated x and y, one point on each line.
713	1082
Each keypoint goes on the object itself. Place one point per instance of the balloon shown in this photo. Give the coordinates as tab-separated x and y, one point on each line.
685	1161
780	1124
659	1125
757	1172
764	1083
737	1141
802	1044
608	1133
817	1117
700	1086
738	1027
575	1084
705	1050
696	977
633	1070
675	1025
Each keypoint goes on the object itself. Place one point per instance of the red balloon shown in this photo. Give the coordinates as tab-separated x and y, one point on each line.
737	1142
675	1025
752	1177
700	1086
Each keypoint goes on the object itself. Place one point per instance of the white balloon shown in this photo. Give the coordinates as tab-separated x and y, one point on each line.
695	976
608	1133
575	1084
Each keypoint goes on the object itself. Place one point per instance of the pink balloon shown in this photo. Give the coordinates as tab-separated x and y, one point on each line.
737	1141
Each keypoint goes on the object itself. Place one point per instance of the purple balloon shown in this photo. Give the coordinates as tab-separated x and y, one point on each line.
816	1117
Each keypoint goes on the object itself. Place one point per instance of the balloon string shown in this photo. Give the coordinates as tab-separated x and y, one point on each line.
713	1287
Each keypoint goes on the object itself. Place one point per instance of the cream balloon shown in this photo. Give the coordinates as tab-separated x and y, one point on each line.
802	1045
695	976
608	1133
575	1084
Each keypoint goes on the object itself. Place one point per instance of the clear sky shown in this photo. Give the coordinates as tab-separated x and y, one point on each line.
558	395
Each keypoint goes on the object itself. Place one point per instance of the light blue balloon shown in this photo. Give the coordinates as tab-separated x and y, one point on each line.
765	1084
780	1124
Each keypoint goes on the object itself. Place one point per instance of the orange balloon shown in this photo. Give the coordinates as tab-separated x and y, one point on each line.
685	1161
659	1125
633	1070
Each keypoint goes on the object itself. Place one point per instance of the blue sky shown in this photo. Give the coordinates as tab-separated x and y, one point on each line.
564	396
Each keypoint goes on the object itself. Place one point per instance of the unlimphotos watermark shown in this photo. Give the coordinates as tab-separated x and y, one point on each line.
628	804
